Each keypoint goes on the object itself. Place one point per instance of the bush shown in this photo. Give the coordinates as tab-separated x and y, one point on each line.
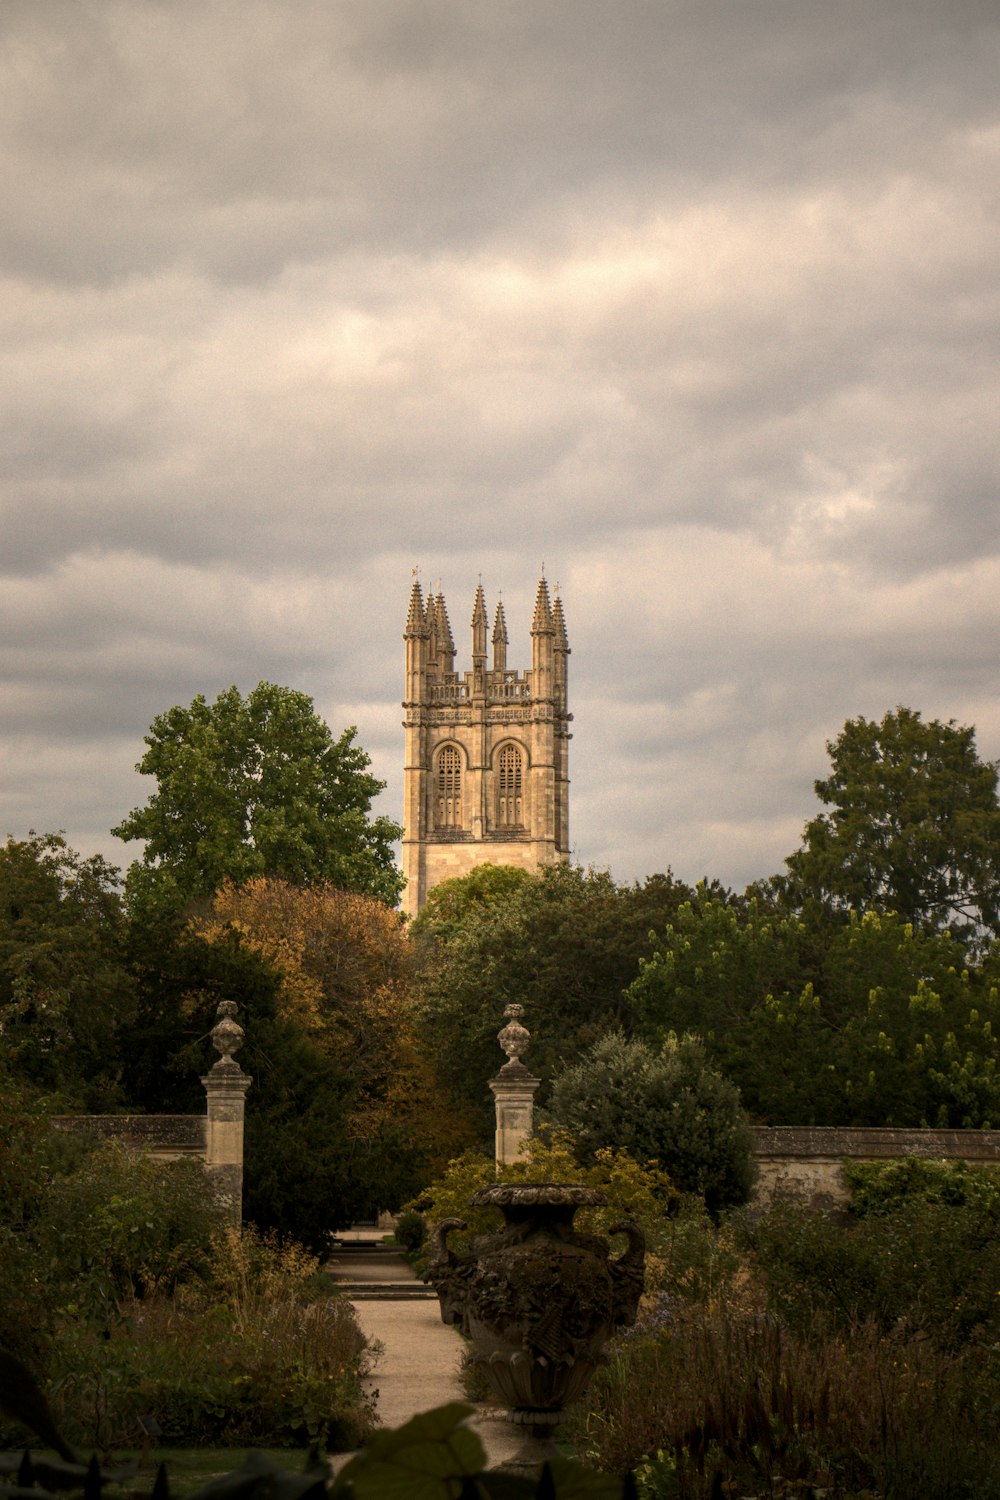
881	1186
926	1267
724	1400
666	1106
258	1351
120	1223
633	1190
411	1230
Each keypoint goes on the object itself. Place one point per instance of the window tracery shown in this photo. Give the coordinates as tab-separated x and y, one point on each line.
448	810
509	784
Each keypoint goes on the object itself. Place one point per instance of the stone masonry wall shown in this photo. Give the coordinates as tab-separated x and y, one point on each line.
164	1137
806	1163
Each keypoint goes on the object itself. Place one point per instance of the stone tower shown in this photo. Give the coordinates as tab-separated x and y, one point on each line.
487	751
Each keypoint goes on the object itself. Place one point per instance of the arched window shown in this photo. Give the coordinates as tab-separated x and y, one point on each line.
510	812
448	813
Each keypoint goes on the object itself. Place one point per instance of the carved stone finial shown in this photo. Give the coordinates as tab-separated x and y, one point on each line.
514	1038
227	1037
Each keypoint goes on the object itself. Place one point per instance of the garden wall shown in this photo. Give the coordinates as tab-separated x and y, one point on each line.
163	1137
805	1162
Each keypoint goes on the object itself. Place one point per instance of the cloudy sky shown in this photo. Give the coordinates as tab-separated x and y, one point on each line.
696	302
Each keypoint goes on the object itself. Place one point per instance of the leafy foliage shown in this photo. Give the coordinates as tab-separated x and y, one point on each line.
66	992
120	1222
921	1266
868	1022
914	827
436	1456
633	1190
256	786
252	1350
721	1398
564	943
879	1187
664	1105
346	1117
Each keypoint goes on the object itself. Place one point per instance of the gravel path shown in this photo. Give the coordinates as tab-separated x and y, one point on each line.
419	1366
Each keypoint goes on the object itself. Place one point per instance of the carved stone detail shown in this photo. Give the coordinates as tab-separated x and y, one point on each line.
538	1300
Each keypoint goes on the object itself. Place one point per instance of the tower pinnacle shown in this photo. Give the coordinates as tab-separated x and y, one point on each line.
542	620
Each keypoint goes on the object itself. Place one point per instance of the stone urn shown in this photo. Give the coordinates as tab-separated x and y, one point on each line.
538	1300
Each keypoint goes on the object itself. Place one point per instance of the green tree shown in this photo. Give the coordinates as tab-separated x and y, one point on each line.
743	976
565	943
914	827
664	1105
66	991
865	1022
256	786
453	904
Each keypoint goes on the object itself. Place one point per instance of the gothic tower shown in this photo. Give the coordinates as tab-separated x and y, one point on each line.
487	751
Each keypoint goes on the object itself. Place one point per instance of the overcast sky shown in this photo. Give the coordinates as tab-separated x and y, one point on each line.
696	303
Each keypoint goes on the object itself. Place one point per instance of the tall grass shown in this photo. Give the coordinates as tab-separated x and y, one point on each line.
259	1350
714	1393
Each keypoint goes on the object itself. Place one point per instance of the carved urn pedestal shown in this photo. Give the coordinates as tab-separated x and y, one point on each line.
538	1300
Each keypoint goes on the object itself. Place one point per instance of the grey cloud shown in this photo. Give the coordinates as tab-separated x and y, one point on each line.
695	303
243	138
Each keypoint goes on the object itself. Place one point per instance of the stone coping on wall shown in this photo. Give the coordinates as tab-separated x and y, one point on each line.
175	1134
791	1142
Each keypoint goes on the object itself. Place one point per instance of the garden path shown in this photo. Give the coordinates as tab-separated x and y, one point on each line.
419	1366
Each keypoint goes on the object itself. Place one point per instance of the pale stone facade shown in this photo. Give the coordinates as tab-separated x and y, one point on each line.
487	750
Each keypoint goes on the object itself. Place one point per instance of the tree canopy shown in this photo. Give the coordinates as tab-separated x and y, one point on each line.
66	990
867	1022
662	1104
257	786
565	943
345	1117
914	826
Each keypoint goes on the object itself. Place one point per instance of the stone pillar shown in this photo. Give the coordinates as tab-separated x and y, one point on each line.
514	1091
226	1085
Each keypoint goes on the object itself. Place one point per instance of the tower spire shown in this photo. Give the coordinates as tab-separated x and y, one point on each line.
479	624
542	621
542	645
500	640
479	642
416	623
445	639
559	625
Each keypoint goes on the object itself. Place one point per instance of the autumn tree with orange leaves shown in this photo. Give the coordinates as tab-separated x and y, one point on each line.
344	999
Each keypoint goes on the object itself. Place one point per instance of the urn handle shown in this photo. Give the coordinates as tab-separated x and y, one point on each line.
628	1273
439	1238
634	1255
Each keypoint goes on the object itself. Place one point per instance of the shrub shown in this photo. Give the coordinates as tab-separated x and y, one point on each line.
923	1266
666	1106
687	1255
881	1186
726	1401
255	1352
411	1230
633	1190
120	1223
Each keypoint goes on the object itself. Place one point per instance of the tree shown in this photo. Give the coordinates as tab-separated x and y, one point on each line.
65	987
256	786
565	943
454	903
914	827
868	1021
346	1116
664	1105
